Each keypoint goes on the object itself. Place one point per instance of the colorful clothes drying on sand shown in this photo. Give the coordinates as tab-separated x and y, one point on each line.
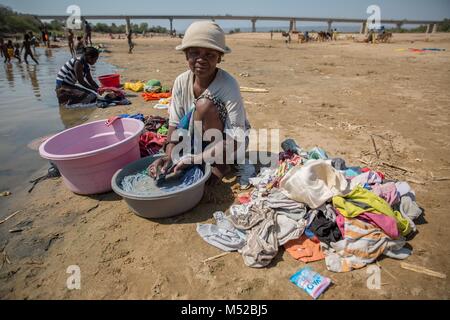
361	200
150	96
387	224
134	86
305	249
363	243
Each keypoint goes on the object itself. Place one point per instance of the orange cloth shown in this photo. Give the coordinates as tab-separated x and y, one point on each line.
305	249
149	96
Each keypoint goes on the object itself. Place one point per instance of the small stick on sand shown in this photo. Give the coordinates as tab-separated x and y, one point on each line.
256	90
394	166
415	181
319	124
215	257
420	269
365	162
10	216
375	147
442	179
386	270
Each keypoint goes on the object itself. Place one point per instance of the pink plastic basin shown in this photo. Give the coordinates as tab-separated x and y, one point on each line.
88	155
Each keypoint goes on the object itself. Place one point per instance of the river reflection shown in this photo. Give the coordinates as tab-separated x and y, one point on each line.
29	110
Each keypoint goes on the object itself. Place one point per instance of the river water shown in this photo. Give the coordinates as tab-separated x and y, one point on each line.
29	110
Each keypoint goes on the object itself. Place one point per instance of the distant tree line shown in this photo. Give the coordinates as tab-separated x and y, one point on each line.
136	28
13	22
444	26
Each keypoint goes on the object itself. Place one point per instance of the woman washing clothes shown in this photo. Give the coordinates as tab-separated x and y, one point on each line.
207	94
74	82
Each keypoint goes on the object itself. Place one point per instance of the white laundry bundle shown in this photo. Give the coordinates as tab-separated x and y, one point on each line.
314	183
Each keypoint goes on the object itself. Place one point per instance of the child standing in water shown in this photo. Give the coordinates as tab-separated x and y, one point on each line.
71	44
17	52
3	50
27	46
10	50
80	46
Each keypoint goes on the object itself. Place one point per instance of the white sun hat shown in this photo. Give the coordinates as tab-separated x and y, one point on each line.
204	34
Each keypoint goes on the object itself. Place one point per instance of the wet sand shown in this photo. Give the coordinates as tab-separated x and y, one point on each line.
335	95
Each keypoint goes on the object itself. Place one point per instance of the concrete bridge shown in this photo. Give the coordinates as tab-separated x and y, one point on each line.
431	24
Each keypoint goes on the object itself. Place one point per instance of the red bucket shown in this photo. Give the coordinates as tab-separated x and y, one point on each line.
110	80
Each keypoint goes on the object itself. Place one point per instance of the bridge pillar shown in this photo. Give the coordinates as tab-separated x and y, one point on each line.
434	30
253	25
292	25
399	25
363	28
329	25
171	25
128	24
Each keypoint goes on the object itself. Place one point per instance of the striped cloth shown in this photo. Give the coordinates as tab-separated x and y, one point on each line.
363	243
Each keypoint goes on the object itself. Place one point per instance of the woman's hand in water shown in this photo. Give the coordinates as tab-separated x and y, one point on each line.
183	163
158	166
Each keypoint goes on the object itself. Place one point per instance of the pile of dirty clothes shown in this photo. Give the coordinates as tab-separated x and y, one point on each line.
154	136
105	97
317	208
111	96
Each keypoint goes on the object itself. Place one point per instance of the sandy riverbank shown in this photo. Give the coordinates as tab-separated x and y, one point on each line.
333	94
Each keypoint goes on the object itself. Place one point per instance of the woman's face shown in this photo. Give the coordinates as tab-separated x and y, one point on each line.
202	61
91	60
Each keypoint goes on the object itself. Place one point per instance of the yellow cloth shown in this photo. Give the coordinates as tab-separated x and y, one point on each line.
134	86
11	52
370	203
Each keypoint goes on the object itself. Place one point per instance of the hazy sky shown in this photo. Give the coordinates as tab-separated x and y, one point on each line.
395	9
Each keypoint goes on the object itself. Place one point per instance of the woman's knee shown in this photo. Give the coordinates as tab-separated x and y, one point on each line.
207	112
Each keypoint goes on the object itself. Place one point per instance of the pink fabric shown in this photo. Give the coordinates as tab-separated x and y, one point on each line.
340	221
386	223
387	191
150	143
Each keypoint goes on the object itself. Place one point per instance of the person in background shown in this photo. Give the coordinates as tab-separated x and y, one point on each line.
71	42
3	50
47	36
335	34
74	82
130	42
17	52
87	33
80	46
27	46
10	50
43	36
207	94
33	41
